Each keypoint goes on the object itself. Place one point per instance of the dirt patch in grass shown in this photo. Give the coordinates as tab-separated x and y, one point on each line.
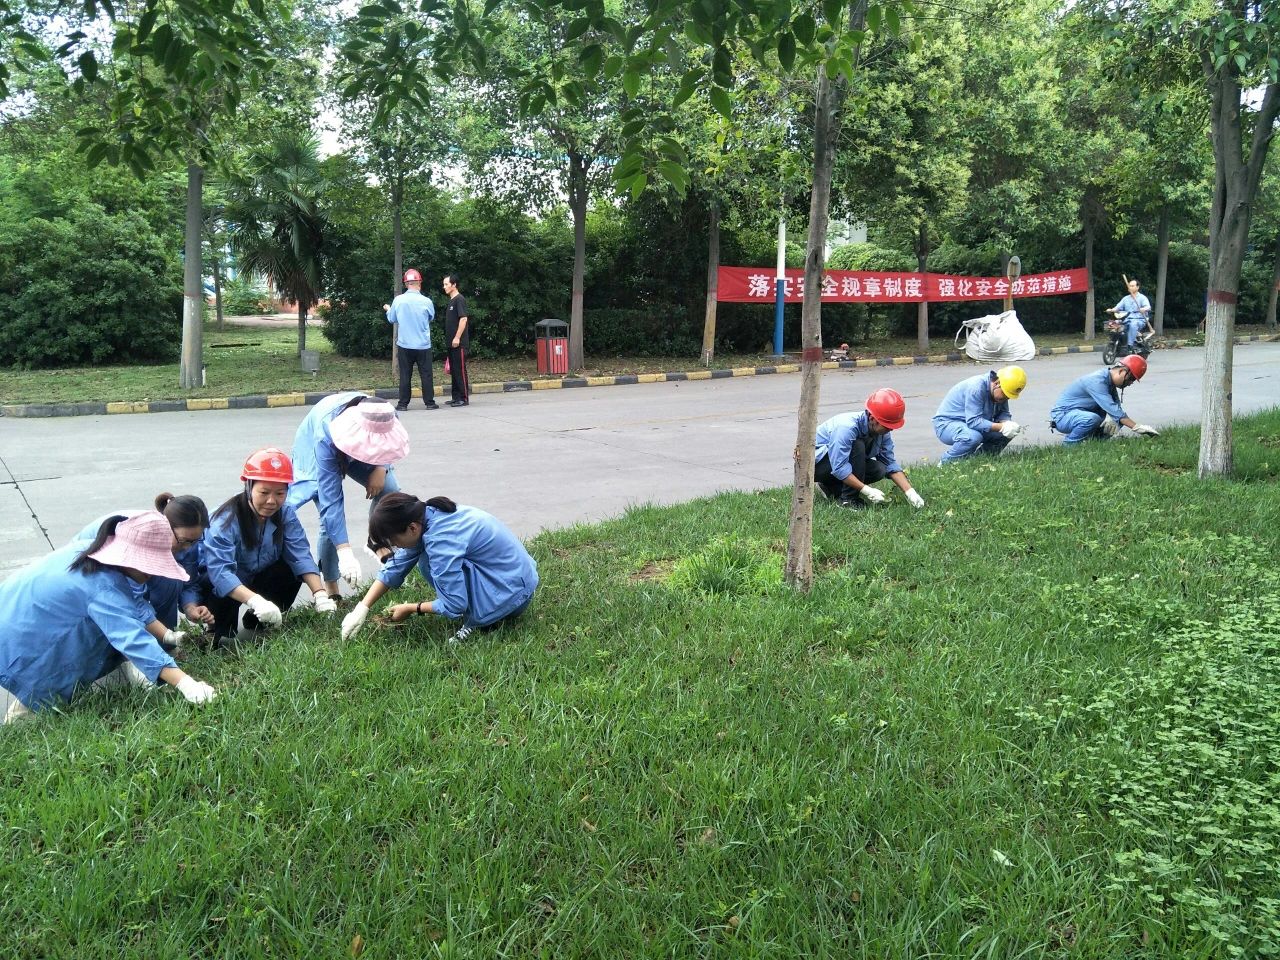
653	570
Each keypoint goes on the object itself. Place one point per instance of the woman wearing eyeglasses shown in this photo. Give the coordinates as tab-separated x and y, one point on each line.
1090	407
160	598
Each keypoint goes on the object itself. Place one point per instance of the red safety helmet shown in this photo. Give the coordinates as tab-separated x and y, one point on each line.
272	465
412	276
888	408
1134	364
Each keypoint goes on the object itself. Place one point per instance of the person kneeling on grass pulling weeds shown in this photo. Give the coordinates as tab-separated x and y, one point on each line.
480	571
73	618
974	415
854	450
161	597
256	553
1090	407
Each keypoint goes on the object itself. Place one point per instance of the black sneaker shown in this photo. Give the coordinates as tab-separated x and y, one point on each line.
853	503
433	406
457	403
400	409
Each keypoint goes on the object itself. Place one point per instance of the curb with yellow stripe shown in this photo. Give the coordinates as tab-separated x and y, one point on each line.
263	401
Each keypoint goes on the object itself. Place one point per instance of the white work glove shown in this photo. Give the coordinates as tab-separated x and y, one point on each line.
324	603
914	499
135	676
268	613
1010	428
174	638
1146	431
196	691
1110	425
349	566
353	621
872	495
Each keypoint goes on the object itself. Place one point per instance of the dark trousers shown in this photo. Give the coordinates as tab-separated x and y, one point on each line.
277	583
407	360
867	469
461	386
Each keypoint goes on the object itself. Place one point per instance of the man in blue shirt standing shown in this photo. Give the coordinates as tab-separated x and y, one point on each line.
414	313
1135	311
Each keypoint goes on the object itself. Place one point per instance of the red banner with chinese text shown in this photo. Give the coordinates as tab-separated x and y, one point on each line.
756	285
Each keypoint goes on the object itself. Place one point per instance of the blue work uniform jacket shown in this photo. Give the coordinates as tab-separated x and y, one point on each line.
61	630
1135	308
414	313
970	402
163	596
478	568
229	562
317	468
1093	393
835	439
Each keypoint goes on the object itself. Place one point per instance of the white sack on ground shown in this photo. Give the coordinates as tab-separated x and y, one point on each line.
999	338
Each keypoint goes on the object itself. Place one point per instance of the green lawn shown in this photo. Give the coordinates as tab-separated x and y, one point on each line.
1035	719
241	361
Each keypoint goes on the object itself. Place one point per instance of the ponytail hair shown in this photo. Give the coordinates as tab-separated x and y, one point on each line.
394	513
83	563
184	511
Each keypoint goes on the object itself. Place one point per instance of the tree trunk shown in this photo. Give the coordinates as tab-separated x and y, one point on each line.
302	328
922	309
217	290
826	130
713	284
1088	273
1162	269
397	282
1236	181
191	369
1275	289
578	206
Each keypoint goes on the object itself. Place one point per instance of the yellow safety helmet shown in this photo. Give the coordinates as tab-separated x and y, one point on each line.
1013	380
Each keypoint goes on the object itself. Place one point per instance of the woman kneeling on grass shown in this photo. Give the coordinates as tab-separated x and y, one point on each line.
72	618
256	553
479	569
163	596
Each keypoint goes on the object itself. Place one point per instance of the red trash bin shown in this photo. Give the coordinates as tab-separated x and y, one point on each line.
553	346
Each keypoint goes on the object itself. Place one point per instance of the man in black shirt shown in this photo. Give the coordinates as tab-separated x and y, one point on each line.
457	337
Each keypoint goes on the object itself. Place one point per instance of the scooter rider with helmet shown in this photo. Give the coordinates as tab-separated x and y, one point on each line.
1089	408
854	450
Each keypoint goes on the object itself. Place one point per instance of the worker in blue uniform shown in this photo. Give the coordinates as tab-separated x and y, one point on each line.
480	571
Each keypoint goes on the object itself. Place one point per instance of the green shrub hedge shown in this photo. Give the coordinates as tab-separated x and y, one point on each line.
85	286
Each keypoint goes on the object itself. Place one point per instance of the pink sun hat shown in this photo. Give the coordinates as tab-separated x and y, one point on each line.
371	433
143	542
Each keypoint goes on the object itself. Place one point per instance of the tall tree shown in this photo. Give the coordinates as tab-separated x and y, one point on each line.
1234	43
395	107
909	166
545	122
173	72
278	222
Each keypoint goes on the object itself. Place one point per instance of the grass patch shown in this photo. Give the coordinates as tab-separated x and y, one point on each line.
243	361
1035	718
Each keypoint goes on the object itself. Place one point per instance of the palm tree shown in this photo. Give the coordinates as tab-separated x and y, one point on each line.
278	223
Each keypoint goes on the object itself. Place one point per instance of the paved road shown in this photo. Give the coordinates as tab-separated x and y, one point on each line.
543	459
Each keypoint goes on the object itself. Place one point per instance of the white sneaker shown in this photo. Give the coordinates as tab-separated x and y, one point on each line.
464	631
